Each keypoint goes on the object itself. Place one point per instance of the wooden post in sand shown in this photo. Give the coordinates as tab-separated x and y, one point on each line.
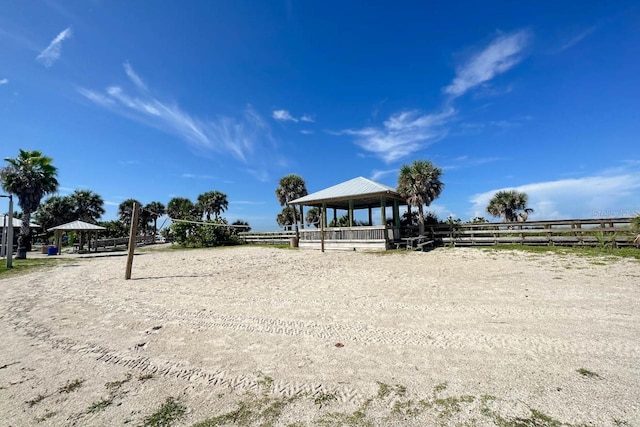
132	239
322	229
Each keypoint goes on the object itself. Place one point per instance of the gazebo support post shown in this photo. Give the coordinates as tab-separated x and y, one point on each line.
396	213
350	213
370	217
302	217
383	211
324	214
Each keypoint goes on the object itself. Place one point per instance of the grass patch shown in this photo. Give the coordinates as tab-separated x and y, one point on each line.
169	412
145	377
99	406
71	387
323	398
24	266
587	373
633	253
115	385
39	398
48	414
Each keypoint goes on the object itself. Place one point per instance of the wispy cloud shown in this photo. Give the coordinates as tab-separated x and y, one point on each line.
467	162
601	195
378	174
109	203
402	134
134	77
52	52
502	54
194	176
286	116
128	162
4	81
283	116
577	38
246	202
306	132
243	137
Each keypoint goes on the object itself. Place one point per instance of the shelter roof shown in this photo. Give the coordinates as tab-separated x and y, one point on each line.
16	222
77	226
362	191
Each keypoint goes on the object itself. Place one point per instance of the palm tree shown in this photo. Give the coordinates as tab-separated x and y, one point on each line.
291	187
183	208
88	206
30	176
313	217
285	219
155	210
241	226
510	205
420	184
54	211
125	211
213	202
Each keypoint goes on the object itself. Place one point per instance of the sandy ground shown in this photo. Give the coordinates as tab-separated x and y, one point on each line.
262	336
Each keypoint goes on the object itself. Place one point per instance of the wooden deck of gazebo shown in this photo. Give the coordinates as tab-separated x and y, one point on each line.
350	196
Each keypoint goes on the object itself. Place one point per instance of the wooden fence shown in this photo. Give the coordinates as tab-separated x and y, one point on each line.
604	232
120	241
268	238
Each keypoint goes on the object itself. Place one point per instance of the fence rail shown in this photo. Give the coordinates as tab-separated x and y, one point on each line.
267	238
611	232
120	241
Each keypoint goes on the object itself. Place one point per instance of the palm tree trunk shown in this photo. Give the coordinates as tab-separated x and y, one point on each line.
420	220
295	222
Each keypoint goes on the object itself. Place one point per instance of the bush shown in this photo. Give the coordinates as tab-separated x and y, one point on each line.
214	233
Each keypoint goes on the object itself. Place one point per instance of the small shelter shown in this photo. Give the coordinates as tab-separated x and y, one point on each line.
73	226
356	194
4	226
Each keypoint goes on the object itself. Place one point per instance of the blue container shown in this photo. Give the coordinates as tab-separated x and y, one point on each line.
52	250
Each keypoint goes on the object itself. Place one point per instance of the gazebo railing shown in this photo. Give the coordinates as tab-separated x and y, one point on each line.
366	233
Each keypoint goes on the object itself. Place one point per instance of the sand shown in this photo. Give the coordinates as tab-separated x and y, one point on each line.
270	336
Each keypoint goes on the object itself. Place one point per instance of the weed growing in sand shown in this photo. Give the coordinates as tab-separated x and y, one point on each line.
70	387
451	405
385	389
48	414
323	398
169	412
587	373
265	382
115	385
620	423
536	418
145	377
439	388
99	406
39	398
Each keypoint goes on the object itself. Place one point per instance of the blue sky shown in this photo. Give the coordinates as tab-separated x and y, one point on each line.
153	100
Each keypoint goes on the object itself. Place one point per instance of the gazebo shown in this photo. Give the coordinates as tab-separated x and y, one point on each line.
73	226
356	194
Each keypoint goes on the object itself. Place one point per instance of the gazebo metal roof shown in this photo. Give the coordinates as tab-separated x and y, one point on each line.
364	193
16	222
77	226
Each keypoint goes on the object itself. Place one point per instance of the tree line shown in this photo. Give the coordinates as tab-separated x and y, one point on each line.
31	176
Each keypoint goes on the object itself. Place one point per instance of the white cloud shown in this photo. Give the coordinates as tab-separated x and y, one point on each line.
4	81
194	176
501	55
577	39
241	137
52	52
109	203
306	132
378	174
596	196
402	134
284	116
307	118
134	77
